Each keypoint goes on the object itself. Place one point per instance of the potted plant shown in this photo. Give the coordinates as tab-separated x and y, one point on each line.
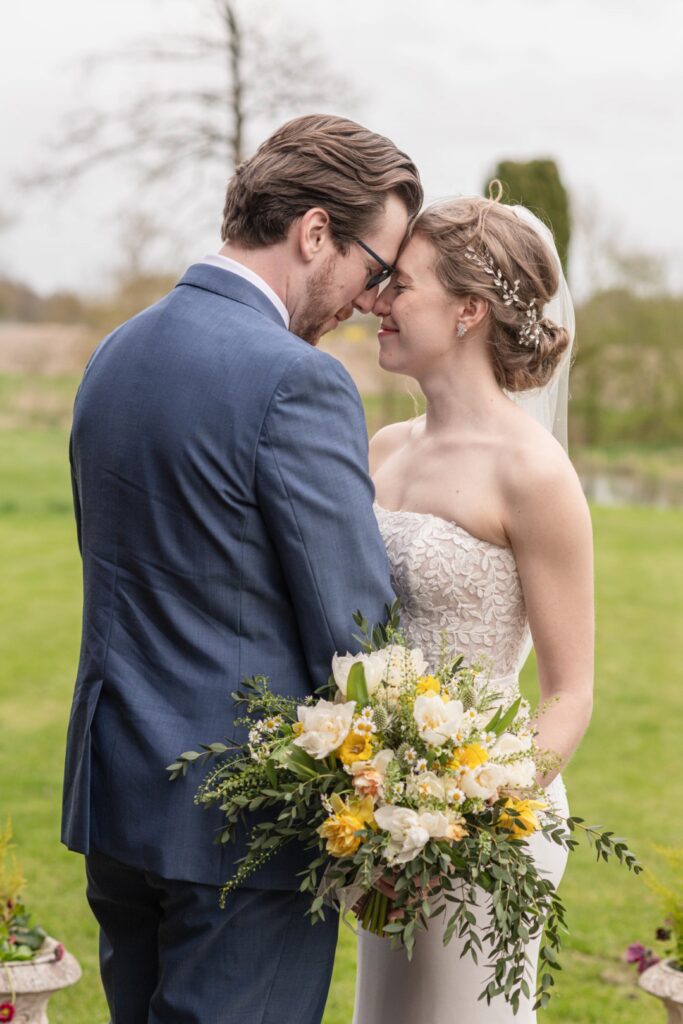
664	977
32	964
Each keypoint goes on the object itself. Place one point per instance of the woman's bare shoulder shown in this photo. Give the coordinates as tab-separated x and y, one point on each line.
541	488
389	439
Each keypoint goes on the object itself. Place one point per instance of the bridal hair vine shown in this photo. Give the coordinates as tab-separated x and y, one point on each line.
530	331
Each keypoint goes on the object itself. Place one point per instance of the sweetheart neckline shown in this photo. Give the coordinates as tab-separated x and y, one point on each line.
447	522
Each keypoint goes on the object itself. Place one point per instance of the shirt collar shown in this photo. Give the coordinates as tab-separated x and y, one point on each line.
226	263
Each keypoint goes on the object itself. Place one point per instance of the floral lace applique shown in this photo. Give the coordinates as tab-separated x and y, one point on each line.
456	586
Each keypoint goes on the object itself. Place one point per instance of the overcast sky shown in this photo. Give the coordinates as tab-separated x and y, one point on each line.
596	84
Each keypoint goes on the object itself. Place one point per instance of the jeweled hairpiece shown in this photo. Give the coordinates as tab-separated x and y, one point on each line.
530	331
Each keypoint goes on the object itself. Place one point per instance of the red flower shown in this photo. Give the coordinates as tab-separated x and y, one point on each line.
7	1011
59	951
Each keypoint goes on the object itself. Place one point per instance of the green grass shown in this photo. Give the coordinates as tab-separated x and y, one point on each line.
625	775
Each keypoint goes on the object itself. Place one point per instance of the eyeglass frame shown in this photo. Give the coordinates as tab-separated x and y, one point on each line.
381	275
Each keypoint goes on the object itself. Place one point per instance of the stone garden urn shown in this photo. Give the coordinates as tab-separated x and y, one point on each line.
666	982
28	984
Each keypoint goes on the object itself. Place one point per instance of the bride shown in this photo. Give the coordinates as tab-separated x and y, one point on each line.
487	530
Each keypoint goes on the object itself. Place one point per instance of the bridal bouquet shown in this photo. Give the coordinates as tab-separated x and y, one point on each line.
424	780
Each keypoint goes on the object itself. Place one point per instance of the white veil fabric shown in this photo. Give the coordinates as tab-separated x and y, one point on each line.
548	404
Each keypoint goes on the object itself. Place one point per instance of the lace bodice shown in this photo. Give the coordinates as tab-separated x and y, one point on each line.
454	586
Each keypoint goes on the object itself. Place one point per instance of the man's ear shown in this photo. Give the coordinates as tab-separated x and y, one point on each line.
312	233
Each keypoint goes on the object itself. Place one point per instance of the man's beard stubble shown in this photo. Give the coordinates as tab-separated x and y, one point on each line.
316	311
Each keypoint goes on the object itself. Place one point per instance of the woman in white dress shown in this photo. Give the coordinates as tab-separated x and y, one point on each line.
486	526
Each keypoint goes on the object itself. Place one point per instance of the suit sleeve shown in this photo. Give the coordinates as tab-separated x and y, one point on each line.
76	498
316	496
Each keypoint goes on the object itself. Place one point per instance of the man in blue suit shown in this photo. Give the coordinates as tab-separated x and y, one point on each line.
224	516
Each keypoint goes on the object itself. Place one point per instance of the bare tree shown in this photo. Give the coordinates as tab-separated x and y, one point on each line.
241	71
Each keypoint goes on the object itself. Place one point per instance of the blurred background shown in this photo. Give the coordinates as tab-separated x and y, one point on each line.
121	124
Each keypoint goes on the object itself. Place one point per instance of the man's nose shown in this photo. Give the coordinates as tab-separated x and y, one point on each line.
365	302
382	304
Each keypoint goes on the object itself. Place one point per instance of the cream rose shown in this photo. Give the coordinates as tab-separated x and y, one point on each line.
368	776
437	720
325	726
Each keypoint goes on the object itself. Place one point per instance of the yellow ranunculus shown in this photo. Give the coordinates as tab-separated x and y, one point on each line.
428	684
341	827
527	822
356	747
470	756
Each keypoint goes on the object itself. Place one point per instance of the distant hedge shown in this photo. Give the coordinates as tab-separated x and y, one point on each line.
537	185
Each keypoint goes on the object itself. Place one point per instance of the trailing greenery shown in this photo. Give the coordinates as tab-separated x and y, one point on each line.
631	746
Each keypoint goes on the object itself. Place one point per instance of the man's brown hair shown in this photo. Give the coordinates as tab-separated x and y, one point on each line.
318	160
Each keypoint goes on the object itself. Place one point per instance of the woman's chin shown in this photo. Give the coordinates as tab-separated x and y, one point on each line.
386	362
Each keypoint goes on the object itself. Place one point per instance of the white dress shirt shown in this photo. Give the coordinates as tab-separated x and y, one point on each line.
226	263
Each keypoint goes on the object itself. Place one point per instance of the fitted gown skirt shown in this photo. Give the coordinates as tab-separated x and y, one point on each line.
438	986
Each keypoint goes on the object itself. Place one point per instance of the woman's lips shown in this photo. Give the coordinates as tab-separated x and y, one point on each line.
387	330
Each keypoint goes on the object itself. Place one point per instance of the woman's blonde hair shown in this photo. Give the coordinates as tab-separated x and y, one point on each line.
472	235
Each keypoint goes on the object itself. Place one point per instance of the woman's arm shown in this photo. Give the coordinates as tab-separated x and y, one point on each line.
549	527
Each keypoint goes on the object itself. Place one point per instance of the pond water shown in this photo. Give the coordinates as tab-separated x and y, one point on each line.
620	487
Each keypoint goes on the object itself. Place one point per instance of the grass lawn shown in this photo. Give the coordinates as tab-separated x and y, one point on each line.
627	773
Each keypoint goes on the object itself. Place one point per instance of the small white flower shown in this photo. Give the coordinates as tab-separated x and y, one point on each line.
454	795
420	765
410	755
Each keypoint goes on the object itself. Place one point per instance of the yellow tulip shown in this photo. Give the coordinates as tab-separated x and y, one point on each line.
527	821
470	756
428	684
341	827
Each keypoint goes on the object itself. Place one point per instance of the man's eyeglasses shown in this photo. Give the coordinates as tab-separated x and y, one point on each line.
381	275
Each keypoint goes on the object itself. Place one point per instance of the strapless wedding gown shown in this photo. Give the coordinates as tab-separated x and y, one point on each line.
467	590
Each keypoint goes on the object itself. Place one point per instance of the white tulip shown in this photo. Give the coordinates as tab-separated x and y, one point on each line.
437	720
425	785
410	830
509	744
483	781
402	663
519	774
325	727
374	665
382	760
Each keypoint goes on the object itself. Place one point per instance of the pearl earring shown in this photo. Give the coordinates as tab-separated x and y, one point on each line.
462	330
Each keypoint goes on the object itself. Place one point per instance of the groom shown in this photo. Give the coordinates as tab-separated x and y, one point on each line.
224	516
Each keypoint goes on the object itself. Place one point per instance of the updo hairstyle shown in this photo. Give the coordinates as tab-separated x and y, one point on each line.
494	234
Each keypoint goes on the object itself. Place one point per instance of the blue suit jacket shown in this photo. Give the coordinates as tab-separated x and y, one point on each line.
224	515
